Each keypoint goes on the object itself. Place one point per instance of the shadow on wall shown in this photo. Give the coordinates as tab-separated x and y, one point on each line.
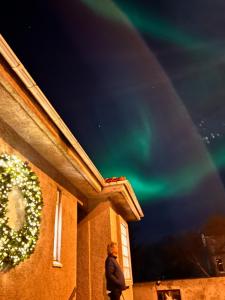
104	288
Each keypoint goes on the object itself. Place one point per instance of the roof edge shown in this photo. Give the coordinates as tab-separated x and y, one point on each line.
41	99
123	186
128	193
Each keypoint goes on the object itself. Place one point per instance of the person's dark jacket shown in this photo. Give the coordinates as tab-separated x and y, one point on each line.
114	275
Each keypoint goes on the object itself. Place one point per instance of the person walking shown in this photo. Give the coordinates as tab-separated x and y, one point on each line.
115	281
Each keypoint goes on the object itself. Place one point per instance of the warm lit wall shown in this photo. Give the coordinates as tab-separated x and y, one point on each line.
93	236
115	221
94	233
36	278
191	289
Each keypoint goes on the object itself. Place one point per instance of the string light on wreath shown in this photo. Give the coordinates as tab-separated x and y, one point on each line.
18	244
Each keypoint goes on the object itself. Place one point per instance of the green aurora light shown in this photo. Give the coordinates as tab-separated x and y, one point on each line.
181	182
134	151
146	22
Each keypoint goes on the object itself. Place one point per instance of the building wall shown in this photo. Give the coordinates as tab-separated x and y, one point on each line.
115	221
215	253
36	278
191	289
93	236
99	228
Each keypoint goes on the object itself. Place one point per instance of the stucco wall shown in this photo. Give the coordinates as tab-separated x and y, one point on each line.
94	233
115	221
36	278
93	236
190	289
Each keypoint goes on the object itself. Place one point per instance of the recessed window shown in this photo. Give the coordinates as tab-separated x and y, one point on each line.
219	264
125	251
169	295
57	231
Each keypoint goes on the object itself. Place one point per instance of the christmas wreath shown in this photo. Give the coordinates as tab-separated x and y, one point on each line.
17	243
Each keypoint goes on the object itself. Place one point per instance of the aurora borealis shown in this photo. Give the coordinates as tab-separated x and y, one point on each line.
141	86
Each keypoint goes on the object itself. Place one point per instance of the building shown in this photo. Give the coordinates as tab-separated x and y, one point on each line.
81	210
215	253
212	288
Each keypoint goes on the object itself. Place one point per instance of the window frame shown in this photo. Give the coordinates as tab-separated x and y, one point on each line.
161	294
125	244
57	243
220	264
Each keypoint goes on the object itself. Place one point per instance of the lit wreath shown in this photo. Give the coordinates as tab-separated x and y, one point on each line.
17	245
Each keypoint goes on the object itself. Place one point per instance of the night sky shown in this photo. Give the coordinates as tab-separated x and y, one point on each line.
141	84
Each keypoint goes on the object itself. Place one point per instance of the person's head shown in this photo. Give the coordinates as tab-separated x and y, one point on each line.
112	249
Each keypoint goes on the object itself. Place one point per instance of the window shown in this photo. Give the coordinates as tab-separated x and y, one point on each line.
219	264
169	295
57	231
125	251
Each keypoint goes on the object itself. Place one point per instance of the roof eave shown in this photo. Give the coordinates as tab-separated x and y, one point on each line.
73	162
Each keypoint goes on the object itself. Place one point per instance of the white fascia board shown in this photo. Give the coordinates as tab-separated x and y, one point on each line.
39	96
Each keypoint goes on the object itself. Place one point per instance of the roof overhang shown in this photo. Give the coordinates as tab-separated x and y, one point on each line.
26	109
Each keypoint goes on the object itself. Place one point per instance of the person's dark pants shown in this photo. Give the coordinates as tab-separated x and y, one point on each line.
115	295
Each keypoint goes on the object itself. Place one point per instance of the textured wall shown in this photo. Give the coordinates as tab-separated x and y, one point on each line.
99	238
115	221
36	278
93	236
83	261
191	289
94	233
